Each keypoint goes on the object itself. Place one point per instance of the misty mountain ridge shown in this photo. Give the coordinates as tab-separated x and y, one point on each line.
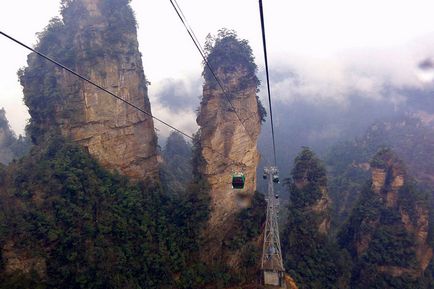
11	146
321	124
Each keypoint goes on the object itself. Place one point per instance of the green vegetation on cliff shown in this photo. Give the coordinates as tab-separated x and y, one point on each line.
308	180
310	257
217	49
248	224
222	52
121	22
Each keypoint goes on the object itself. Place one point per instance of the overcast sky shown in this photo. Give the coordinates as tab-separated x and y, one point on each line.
323	49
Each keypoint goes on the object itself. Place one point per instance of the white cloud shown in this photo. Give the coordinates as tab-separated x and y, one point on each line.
184	120
377	73
335	47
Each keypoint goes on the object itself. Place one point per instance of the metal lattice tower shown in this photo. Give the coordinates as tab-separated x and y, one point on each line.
272	265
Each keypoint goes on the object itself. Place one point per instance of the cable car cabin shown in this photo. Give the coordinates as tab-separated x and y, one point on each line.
238	181
276	178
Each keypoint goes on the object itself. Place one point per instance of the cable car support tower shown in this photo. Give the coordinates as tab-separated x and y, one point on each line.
271	263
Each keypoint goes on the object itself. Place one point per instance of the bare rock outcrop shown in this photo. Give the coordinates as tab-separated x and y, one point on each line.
98	39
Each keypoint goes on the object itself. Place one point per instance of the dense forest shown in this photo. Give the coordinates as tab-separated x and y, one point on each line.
88	228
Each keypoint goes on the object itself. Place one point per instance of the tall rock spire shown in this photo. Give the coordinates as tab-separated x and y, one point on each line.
99	40
228	133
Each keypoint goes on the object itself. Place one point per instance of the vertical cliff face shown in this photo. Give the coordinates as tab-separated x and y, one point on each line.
388	230
226	145
98	39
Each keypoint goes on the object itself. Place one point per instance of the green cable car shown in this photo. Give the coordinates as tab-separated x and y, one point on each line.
238	180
